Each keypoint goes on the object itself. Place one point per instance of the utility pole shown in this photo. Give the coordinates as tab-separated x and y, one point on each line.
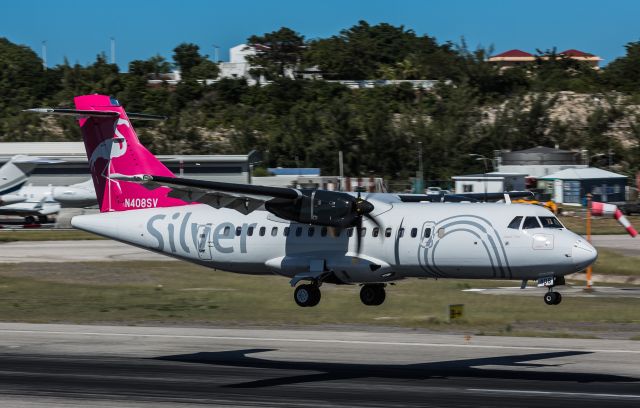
589	269
113	50
419	188
341	167
44	54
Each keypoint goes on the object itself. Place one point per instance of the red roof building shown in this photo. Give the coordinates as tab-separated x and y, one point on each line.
513	58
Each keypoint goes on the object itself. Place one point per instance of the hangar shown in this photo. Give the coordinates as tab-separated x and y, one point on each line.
73	166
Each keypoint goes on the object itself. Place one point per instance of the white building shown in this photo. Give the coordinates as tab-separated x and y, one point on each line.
494	182
539	161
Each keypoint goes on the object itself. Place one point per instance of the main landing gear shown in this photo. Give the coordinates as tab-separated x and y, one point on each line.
373	294
308	295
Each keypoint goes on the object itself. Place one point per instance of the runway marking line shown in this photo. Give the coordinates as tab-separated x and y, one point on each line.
559	393
329	341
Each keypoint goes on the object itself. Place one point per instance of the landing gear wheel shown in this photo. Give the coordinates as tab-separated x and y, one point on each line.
552	298
43	219
558	298
372	295
307	295
30	219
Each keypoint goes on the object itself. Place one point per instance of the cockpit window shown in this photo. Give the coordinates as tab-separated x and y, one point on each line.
550	222
530	222
515	223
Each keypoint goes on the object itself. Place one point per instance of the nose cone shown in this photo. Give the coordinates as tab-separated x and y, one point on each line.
364	207
583	254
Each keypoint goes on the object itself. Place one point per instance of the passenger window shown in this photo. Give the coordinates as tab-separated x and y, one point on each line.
400	232
323	232
550	222
298	231
285	231
363	233
515	223
350	232
387	232
250	231
414	232
238	231
227	230
375	232
274	231
530	222
440	232
262	231
427	232
311	231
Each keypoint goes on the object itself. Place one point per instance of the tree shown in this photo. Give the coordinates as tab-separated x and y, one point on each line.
276	52
623	73
187	56
205	70
361	51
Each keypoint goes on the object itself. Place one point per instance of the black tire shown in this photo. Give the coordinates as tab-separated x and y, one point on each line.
549	298
558	298
307	295
43	219
372	295
29	219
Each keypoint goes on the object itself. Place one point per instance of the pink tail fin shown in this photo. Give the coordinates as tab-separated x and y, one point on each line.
113	148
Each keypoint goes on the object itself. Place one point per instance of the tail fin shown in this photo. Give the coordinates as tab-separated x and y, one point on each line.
113	148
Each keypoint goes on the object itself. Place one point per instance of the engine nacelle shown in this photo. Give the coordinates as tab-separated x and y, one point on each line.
317	207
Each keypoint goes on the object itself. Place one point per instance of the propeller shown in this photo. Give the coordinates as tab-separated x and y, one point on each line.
363	208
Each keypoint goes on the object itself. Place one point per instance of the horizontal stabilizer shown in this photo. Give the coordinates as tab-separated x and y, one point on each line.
92	113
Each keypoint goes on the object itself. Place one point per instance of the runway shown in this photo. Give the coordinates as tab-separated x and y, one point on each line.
64	365
74	251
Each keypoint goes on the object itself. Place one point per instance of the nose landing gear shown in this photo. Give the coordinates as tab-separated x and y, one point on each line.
551	297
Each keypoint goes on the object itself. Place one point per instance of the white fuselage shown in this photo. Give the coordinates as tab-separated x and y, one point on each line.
434	240
76	195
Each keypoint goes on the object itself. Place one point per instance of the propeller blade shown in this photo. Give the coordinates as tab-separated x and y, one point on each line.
358	235
374	220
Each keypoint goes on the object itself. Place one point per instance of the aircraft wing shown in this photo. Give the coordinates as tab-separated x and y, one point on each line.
31	208
244	198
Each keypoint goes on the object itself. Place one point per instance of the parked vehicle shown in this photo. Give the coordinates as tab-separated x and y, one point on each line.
630	208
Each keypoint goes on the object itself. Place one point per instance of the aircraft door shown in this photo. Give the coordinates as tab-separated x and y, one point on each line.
426	235
204	242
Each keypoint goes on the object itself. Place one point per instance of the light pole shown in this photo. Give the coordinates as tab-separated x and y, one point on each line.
44	54
216	49
484	176
113	50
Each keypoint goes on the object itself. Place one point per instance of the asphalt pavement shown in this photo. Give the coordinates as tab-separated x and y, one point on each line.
64	365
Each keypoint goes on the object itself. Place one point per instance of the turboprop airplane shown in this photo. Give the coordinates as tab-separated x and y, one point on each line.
312	236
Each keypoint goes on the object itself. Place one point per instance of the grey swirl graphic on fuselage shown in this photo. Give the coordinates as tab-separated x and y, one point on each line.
477	226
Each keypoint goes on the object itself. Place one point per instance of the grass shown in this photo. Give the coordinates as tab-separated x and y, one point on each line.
45	235
611	263
599	225
179	293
